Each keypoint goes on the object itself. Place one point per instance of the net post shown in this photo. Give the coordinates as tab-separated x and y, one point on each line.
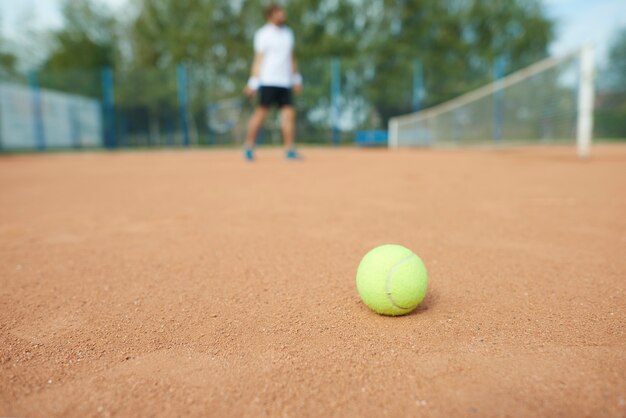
418	85
183	101
108	102
584	129
393	133
38	124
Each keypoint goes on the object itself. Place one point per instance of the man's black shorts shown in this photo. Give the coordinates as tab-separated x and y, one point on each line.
275	96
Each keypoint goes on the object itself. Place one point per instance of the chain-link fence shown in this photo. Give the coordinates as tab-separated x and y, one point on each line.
192	105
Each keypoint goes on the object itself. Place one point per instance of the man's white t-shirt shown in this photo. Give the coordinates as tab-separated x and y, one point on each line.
276	44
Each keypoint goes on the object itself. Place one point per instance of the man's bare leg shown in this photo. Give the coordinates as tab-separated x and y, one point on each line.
254	125
288	125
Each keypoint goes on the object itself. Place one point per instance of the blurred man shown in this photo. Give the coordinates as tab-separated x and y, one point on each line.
274	77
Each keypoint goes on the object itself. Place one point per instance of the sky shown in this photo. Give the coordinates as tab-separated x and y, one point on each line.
578	21
586	21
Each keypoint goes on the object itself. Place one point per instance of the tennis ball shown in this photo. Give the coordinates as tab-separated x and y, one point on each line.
391	280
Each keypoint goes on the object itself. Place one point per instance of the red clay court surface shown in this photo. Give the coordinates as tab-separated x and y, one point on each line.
193	284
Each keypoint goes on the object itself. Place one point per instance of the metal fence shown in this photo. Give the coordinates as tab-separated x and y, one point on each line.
187	105
192	105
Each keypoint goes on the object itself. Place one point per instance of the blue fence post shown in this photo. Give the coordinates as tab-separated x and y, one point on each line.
183	101
335	98
418	86
498	98
75	126
108	107
38	124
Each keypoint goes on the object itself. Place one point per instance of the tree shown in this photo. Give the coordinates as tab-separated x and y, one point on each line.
85	45
615	72
456	42
8	61
611	99
378	41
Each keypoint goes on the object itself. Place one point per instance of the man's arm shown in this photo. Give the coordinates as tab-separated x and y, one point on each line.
297	78
256	65
253	82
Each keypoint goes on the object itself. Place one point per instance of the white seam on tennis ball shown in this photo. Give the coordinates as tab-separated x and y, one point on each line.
390	276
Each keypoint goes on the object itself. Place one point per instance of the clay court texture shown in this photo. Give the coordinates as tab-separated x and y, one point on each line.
189	283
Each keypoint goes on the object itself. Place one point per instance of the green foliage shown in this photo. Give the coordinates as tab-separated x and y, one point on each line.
615	72
378	42
8	60
86	41
457	43
611	102
8	63
85	45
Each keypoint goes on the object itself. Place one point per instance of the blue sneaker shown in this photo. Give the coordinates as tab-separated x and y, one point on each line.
248	154
292	154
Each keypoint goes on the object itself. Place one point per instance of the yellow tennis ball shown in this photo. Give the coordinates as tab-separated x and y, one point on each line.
392	280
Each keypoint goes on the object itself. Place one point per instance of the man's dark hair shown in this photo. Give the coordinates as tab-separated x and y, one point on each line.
271	9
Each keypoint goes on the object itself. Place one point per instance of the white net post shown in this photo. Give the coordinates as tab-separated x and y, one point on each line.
393	133
584	130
